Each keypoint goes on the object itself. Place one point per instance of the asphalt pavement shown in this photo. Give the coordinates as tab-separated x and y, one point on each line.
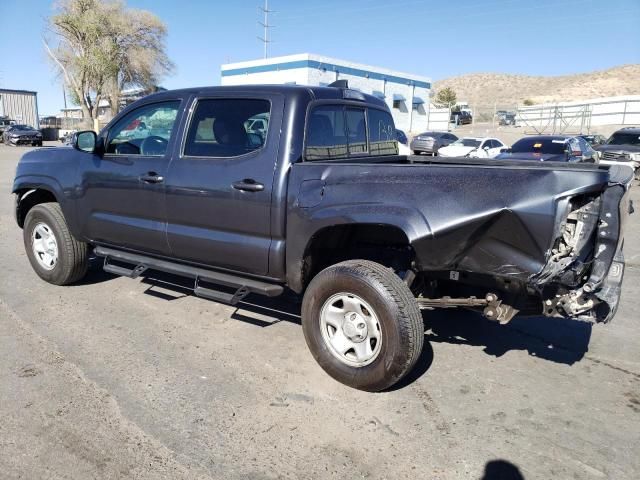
120	378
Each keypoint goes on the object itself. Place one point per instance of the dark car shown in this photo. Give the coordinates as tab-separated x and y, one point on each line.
22	135
324	207
551	148
431	142
594	140
461	117
4	124
622	148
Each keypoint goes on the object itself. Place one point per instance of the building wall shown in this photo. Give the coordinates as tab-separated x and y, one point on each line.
316	70
20	105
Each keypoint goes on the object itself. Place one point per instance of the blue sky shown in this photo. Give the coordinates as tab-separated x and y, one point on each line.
435	38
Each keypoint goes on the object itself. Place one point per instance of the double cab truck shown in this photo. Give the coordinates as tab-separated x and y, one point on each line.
320	203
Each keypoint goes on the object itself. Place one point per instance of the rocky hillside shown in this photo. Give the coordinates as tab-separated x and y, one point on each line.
506	90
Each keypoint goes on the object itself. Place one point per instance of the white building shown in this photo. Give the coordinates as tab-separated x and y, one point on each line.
406	95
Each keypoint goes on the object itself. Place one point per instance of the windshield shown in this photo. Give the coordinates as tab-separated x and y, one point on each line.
466	142
22	127
624	139
539	145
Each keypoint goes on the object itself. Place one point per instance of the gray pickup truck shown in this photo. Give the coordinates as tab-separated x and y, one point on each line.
320	203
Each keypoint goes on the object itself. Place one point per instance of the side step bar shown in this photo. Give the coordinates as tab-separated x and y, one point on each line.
140	263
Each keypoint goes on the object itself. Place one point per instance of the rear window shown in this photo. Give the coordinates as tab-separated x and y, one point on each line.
338	131
553	146
226	128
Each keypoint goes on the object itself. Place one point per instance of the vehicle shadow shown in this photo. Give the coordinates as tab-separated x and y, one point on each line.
555	339
501	470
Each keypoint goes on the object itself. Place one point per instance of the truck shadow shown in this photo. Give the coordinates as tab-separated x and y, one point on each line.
555	339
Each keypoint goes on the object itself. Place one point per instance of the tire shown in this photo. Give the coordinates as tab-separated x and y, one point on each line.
390	306
71	256
417	152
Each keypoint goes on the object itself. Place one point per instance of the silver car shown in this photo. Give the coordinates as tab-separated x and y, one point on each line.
431	142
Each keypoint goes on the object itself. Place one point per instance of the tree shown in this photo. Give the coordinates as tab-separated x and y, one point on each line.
102	47
528	102
446	97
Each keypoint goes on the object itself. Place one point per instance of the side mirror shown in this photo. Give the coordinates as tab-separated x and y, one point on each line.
486	148
85	141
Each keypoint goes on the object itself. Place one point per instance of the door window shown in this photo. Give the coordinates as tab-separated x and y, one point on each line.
144	131
227	127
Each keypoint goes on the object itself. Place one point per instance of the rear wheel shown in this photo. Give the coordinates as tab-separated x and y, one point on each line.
362	324
55	255
417	152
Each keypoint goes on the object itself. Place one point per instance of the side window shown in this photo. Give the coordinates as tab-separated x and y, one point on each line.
227	127
144	131
382	138
326	133
357	131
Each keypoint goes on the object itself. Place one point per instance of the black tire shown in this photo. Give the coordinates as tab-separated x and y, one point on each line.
72	260
417	152
401	325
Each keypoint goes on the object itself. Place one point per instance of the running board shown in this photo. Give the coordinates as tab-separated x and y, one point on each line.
140	263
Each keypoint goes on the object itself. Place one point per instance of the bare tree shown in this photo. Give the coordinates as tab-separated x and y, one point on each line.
102	47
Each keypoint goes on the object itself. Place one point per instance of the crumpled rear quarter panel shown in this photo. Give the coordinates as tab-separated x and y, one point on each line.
493	219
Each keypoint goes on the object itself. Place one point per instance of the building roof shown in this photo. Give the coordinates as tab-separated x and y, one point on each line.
8	90
309	60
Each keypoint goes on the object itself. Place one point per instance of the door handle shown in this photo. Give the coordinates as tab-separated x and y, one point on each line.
248	185
151	177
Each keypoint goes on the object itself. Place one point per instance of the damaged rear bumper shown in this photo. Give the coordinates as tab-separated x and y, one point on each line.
583	276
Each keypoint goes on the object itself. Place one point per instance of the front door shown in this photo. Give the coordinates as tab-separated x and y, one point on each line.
122	194
219	187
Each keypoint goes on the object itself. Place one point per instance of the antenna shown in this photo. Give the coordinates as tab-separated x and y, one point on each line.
265	40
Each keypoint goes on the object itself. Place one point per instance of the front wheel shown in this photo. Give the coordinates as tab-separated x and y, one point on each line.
55	255
362	324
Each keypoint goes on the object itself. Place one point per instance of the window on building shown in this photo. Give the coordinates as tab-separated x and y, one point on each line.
227	127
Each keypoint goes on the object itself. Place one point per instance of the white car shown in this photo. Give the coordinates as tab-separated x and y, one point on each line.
473	147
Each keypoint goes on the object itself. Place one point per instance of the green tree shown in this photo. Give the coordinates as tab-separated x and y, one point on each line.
528	102
446	97
102	47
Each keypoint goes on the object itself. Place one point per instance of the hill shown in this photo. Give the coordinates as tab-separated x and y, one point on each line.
507	90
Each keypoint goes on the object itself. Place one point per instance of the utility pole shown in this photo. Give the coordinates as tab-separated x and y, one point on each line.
265	24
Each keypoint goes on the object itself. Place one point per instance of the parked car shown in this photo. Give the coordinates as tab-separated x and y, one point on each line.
325	208
622	148
22	135
594	140
507	119
473	147
431	142
461	117
551	148
4	124
403	142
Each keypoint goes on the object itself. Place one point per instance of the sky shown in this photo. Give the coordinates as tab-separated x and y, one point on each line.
434	38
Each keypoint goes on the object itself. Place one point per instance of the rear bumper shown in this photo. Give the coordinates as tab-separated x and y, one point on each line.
423	146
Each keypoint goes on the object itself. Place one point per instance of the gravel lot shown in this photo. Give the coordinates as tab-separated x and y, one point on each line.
119	378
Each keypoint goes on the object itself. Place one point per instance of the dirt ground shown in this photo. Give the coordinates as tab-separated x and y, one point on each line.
117	378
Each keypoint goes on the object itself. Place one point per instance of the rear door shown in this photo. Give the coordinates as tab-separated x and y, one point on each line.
219	186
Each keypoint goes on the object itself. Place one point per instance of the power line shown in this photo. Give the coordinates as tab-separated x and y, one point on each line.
265	24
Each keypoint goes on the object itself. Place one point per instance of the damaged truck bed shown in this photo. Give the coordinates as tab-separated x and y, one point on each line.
506	237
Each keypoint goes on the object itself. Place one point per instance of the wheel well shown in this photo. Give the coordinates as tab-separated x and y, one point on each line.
384	244
27	199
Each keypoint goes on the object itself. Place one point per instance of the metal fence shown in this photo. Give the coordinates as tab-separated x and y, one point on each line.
577	118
